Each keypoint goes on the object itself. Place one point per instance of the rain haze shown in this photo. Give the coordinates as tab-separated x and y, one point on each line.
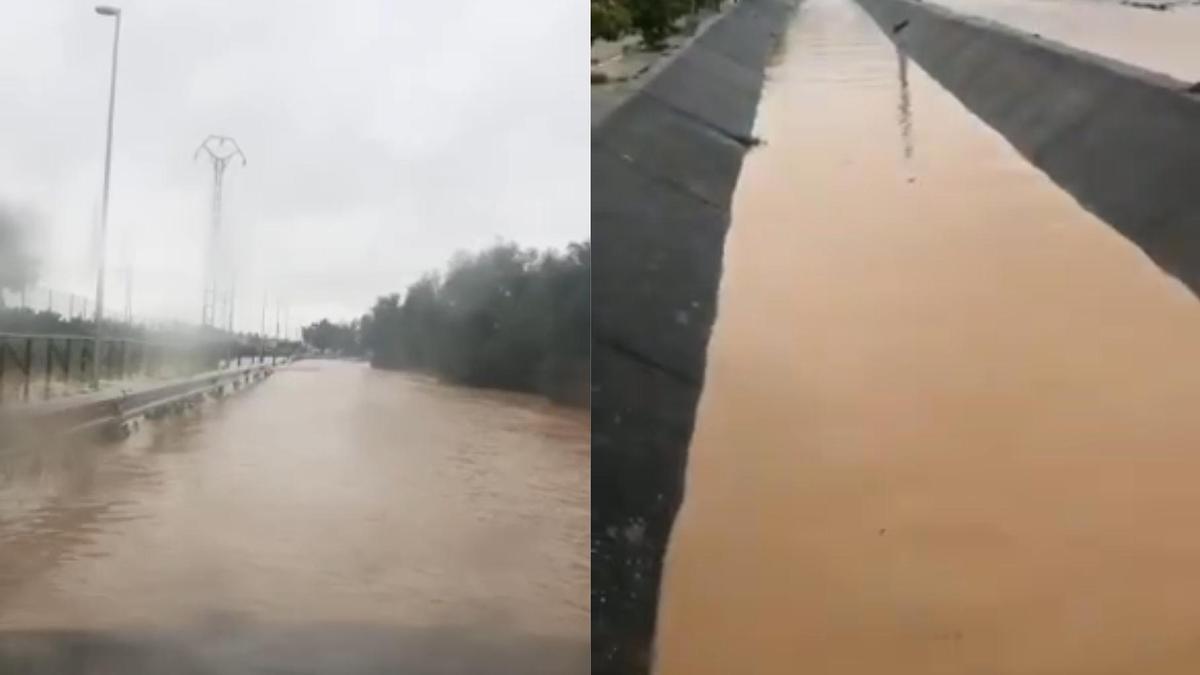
381	137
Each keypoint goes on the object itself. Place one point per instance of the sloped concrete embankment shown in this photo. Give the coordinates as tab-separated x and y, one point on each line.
664	166
1125	142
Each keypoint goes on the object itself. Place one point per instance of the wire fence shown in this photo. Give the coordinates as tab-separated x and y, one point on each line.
42	367
50	346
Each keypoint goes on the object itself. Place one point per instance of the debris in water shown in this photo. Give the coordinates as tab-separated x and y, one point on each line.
1156	6
747	141
900	26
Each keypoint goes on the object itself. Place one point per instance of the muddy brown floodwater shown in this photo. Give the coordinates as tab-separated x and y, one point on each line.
950	418
334	519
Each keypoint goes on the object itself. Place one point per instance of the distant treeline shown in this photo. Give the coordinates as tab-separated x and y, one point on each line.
25	321
653	19
507	318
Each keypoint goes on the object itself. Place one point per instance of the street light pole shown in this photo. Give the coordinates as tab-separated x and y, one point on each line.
112	102
114	12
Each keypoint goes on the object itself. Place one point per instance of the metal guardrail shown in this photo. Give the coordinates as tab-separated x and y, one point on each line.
111	410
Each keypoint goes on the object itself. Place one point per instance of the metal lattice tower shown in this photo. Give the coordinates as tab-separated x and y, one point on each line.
220	150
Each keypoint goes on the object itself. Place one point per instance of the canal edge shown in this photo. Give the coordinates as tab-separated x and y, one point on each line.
1122	140
665	162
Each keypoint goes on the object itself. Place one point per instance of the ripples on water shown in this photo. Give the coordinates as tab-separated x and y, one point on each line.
333	520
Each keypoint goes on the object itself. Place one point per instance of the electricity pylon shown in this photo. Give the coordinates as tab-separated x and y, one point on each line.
220	150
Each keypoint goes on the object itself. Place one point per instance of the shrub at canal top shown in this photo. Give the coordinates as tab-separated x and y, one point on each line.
653	19
610	20
507	317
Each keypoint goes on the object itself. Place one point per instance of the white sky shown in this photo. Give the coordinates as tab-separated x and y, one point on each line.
382	136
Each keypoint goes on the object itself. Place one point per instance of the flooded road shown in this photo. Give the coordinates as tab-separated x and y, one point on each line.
949	421
334	519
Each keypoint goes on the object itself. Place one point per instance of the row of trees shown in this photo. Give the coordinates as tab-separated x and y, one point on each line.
507	317
24	321
655	20
341	338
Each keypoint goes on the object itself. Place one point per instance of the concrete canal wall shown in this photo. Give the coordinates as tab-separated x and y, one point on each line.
665	162
1125	142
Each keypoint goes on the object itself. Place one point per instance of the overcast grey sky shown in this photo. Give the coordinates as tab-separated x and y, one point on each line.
382	135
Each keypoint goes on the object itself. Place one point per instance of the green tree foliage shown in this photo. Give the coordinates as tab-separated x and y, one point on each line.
610	19
655	20
335	337
507	318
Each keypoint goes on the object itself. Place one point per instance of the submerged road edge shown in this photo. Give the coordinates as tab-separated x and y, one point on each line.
1122	140
664	165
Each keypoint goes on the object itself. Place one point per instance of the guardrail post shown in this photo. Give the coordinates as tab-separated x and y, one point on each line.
49	367
67	365
110	361
84	356
28	364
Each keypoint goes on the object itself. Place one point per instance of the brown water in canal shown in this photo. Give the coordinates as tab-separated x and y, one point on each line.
950	419
334	519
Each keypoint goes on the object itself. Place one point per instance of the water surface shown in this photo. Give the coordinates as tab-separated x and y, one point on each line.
333	519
